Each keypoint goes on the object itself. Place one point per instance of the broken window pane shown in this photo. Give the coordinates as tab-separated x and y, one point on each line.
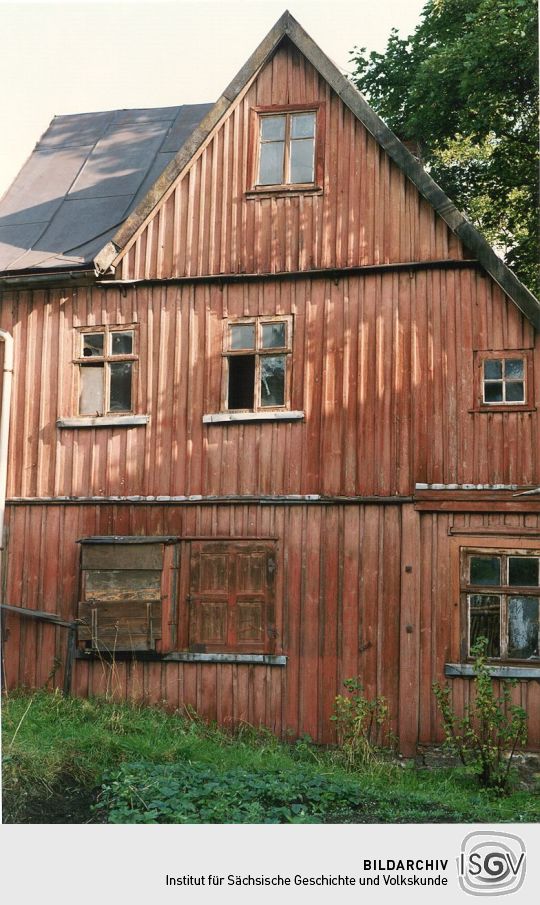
120	390
485	622
242	336
302	160
273	127
91	395
271	163
523	571
523	627
513	368
493	369
515	392
92	344
493	392
241	382
486	570
303	125
122	343
272	380
274	336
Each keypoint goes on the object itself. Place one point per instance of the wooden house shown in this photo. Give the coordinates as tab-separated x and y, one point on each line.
274	414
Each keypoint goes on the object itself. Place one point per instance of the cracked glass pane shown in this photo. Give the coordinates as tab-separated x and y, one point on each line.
272	380
523	627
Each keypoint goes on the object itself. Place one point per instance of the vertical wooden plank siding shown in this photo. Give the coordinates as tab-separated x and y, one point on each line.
382	367
348	604
367	213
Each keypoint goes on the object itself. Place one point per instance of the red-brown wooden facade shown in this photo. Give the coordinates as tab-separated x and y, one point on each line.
383	368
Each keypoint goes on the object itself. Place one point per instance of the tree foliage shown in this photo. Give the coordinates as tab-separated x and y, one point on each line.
464	87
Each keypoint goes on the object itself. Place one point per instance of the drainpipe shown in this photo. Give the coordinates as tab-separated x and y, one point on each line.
7	339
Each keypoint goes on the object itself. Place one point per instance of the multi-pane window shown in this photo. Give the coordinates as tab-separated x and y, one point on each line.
503	380
502	596
106	361
287	148
257	355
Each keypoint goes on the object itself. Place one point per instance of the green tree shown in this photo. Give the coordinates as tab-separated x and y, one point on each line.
464	87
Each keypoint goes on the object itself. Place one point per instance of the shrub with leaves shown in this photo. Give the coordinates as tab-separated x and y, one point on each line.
492	727
359	724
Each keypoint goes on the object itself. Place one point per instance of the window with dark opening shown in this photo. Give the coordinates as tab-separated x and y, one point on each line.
501	592
257	354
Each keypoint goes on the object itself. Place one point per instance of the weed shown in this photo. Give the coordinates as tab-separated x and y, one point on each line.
487	736
359	723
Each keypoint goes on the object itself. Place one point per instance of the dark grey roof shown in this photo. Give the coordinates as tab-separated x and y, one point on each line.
86	175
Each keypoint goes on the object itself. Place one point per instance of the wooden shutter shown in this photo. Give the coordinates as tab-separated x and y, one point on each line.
121	596
231	601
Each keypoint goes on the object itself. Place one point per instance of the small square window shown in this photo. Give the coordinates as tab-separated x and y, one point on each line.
503	381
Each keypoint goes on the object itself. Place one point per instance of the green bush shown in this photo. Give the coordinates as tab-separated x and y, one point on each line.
487	736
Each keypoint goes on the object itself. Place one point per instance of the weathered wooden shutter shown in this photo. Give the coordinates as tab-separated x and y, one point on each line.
121	596
231	602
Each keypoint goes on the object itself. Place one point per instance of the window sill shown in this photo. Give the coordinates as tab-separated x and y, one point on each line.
285	191
466	670
186	657
103	421
235	417
483	409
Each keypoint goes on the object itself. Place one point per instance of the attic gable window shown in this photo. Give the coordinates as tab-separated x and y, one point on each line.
287	148
106	361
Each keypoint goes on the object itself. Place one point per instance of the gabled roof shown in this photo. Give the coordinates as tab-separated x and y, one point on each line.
109	244
85	176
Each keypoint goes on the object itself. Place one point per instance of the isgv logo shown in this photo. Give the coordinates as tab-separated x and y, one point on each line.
491	864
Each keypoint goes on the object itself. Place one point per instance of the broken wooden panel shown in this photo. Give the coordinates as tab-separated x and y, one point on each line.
121	556
120	626
121	596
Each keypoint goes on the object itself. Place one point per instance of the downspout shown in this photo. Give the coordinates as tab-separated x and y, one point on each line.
7	339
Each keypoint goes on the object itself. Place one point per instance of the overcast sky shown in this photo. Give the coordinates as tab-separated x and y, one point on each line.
75	57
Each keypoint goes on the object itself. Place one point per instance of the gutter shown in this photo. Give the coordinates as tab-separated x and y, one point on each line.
7	339
49	280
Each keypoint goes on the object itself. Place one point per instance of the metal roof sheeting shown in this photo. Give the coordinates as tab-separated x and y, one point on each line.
85	176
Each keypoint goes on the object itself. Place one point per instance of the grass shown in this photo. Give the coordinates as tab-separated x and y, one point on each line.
58	753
